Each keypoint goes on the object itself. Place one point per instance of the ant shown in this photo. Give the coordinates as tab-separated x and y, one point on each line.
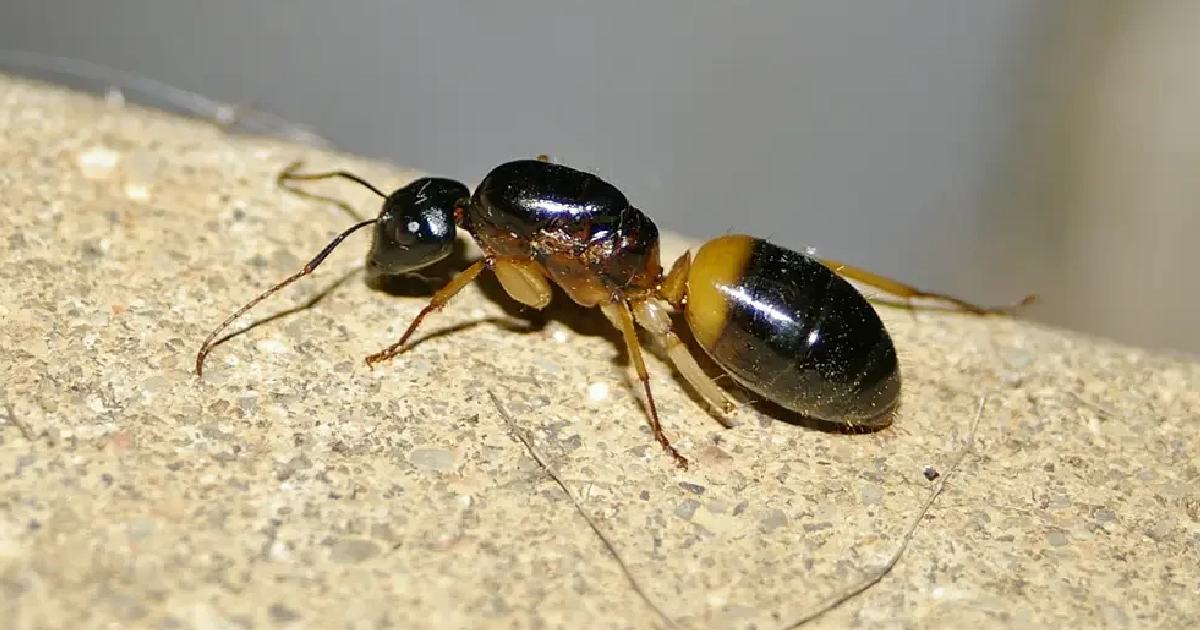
785	325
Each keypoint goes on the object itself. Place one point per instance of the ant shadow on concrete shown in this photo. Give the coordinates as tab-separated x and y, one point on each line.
788	416
406	286
299	308
430	279
582	321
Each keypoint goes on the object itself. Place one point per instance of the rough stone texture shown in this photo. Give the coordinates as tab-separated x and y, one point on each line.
294	487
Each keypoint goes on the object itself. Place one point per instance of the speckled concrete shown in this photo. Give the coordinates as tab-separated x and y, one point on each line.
294	487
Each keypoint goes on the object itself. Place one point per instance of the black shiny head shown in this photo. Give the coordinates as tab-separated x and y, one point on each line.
416	227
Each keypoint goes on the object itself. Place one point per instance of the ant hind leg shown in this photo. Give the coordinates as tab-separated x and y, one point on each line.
907	292
681	357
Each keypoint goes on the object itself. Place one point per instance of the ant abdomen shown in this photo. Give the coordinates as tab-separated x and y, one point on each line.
788	328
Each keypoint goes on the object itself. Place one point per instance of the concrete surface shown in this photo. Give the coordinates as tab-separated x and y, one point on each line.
293	487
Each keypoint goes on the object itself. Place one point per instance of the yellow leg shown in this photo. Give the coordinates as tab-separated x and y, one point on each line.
443	295
673	287
708	389
524	281
625	317
901	290
653	315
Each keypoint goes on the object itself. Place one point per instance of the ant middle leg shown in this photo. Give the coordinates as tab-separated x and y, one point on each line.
620	313
908	292
653	315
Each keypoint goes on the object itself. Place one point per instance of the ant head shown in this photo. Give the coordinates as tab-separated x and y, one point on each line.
416	227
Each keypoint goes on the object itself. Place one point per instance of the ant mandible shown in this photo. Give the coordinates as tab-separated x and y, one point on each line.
785	325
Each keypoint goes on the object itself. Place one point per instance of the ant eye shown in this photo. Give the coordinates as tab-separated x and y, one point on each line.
405	233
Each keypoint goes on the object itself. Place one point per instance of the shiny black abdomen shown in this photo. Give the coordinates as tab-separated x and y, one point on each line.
800	335
550	211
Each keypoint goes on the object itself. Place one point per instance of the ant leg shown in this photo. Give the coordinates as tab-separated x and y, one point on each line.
691	371
905	291
443	295
673	287
619	312
653	315
289	174
952	307
524	281
308	268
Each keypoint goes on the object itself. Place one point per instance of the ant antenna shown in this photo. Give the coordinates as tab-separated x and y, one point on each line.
308	268
289	174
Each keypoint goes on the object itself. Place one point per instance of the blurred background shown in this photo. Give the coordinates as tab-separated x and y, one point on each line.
985	149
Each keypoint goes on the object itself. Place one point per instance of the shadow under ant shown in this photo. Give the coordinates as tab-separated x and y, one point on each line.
793	418
425	284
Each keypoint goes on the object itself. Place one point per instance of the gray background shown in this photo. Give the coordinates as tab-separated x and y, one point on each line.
880	133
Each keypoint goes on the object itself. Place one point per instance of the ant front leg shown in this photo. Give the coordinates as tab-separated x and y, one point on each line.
908	292
523	280
440	298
